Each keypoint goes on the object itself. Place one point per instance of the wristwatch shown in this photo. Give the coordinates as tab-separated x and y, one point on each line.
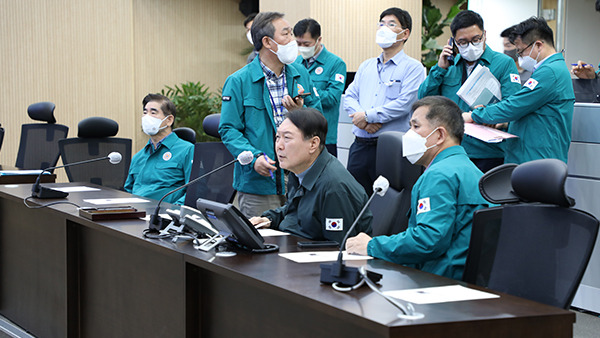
366	118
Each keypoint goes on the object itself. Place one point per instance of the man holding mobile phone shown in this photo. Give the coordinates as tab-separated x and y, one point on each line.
327	71
445	78
256	100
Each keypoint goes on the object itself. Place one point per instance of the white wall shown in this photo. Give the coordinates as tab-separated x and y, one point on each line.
499	15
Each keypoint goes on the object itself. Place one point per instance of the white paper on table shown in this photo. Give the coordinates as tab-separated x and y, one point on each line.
320	256
271	233
486	134
23	172
126	200
439	294
165	216
76	189
481	87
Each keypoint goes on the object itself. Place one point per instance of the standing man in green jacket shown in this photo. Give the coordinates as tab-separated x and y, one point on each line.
540	114
327	72
256	99
446	78
442	201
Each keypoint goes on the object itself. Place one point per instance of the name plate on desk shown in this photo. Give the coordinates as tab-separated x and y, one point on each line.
111	213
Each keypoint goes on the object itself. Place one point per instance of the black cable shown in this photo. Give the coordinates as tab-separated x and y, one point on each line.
26	199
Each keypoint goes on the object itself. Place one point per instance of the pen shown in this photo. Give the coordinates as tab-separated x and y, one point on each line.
270	171
584	65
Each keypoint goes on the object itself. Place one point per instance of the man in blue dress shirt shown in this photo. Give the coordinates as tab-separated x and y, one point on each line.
382	93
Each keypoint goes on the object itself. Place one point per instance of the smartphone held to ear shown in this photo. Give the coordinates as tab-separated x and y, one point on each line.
450	58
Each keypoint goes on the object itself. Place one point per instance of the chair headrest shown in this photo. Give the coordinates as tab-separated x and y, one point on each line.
42	111
211	125
97	127
185	133
542	181
392	165
495	185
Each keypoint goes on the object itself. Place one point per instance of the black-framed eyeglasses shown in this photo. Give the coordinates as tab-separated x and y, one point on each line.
474	41
524	49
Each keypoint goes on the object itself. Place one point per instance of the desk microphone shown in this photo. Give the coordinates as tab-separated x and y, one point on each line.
245	158
40	192
338	272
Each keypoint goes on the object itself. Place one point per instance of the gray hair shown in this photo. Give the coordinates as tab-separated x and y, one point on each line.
263	26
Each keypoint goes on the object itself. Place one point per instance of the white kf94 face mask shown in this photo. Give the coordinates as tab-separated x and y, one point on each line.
151	125
413	145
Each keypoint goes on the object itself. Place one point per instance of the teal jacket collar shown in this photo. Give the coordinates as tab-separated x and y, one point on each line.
448	152
168	142
258	75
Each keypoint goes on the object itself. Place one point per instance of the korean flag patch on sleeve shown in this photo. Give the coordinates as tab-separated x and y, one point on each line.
334	224
515	78
423	205
531	83
339	78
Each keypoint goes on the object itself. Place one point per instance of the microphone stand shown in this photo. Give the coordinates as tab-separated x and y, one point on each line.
338	272
156	222
41	192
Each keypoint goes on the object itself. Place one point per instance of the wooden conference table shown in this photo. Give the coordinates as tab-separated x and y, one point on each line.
65	276
23	178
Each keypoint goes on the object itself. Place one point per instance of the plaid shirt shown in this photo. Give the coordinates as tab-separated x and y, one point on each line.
277	90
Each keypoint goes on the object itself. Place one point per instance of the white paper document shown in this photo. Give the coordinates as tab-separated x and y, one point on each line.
105	201
165	216
486	134
271	233
320	256
76	189
439	294
481	87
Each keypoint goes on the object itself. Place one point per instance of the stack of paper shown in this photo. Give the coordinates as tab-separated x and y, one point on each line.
486	134
480	88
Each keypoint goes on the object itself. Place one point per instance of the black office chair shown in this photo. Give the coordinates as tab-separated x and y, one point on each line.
1	136
94	140
390	211
186	133
208	156
542	245
38	148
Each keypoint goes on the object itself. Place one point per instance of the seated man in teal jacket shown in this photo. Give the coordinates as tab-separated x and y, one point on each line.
256	99
443	199
323	198
540	114
447	78
165	163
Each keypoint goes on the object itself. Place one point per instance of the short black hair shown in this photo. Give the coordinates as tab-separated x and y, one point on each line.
506	33
249	18
311	123
443	112
531	30
597	5
308	25
166	105
401	15
465	19
263	26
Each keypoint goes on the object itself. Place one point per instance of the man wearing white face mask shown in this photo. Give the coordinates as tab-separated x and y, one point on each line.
443	200
540	114
327	71
248	25
446	78
165	163
256	99
380	97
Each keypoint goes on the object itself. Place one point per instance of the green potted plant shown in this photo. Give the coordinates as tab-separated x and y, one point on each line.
194	102
433	26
